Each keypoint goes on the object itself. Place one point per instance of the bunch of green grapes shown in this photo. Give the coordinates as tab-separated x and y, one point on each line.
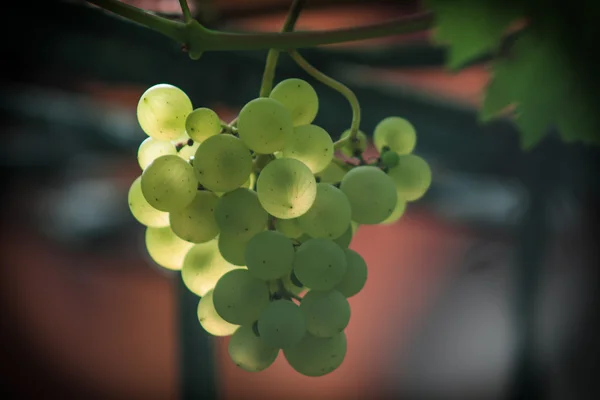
259	217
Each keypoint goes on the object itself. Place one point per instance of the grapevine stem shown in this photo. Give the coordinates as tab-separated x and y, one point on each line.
338	86
187	15
273	56
200	39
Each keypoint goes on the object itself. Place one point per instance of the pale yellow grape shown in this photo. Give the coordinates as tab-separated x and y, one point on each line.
239	213
188	152
299	97
183	138
412	177
314	356
169	184
203	266
329	215
348	148
143	212
310	144
249	352
397	213
151	149
166	248
282	324
264	125
396	133
319	264
162	111
222	163
233	249
269	255
371	192
202	123
210	320
196	222
327	312
346	238
333	173
286	188
289	227
356	274
240	297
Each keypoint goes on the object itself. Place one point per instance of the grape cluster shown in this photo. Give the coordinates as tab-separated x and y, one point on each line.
258	216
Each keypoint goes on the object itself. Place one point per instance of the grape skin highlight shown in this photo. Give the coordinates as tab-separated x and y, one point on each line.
210	320
166	248
151	149
142	211
396	133
169	184
299	97
264	125
310	144
162	111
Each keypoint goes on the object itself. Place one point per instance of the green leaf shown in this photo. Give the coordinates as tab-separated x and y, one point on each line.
538	79
470	27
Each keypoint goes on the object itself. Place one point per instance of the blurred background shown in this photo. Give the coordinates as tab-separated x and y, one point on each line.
487	288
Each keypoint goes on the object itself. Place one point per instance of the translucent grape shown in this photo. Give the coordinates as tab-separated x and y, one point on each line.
310	144
289	227
210	320
346	238
396	133
202	123
151	149
329	215
188	152
347	148
286	188
269	255
264	125
141	210
412	177
169	184
203	266
371	192
356	274
233	249
240	297
166	248
333	173
314	356
397	213
299	97
222	163
196	222
319	264
282	324
162	111
249	352
327	312
239	213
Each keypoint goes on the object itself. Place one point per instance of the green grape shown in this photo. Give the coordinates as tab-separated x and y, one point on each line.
151	149
371	192
333	173
240	297
249	184
169	184
390	158
344	240
396	133
289	227
249	352
269	255
188	152
327	312
239	213
141	210
264	125
286	188
356	274
282	324
314	356
319	264
210	320
233	249
348	148
412	177
166	248
329	215
299	97
222	163
355	225
202	123
162	111
397	213
291	285
196	222
183	138
310	144
203	266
